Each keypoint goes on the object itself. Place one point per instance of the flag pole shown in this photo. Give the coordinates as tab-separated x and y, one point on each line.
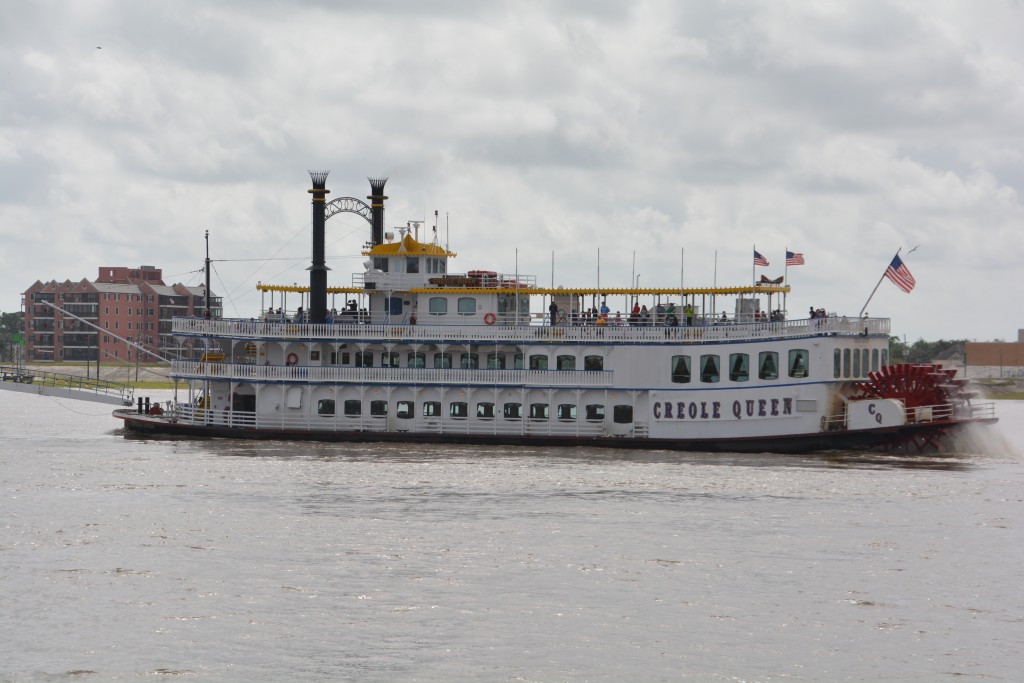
861	314
785	279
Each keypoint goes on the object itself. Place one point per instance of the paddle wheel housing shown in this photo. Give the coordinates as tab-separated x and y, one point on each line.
929	393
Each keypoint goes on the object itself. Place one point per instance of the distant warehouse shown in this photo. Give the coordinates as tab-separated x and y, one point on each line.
131	303
994	359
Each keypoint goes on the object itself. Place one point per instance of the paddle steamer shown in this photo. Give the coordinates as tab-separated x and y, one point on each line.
420	353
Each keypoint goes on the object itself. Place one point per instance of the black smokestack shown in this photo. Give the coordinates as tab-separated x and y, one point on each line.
377	209
318	271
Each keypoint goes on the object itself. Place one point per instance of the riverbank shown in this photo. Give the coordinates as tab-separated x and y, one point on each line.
1012	388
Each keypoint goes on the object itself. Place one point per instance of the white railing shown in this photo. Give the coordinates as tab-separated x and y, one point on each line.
427	333
189	414
934	413
240	372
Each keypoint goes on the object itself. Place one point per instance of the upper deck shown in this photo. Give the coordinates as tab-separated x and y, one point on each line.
483	334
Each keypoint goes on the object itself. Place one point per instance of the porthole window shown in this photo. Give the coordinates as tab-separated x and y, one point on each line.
438	305
799	363
739	367
595	412
709	369
538	411
353	408
325	406
404	410
567	412
681	369
467	305
513	411
378	408
458	409
485	411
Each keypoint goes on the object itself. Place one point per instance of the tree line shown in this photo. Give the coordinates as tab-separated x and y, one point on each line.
920	351
10	325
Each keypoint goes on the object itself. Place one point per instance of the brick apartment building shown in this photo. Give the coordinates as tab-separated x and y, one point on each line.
132	303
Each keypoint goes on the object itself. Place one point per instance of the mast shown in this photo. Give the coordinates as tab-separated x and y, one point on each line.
207	268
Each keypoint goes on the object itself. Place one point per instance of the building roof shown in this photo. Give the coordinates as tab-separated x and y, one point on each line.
116	289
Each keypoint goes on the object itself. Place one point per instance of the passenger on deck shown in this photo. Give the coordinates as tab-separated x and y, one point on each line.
670	315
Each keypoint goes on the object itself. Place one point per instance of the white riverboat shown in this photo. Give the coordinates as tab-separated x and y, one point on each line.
422	353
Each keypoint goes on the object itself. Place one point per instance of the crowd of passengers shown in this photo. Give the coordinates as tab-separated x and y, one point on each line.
660	315
351	313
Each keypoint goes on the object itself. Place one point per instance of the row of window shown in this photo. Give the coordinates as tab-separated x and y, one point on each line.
128	311
411	263
466	305
739	366
471	361
117	325
847	363
406	410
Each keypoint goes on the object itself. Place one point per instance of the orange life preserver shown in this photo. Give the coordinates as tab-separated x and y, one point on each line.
292	359
489	318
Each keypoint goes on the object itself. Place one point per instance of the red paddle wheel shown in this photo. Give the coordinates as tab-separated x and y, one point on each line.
915	385
918	386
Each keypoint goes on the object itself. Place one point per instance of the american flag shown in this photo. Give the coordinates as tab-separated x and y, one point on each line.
760	260
900	274
794	259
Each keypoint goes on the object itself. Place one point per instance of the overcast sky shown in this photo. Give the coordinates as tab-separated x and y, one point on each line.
843	130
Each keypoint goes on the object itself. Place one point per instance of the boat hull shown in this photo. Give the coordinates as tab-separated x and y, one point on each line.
925	437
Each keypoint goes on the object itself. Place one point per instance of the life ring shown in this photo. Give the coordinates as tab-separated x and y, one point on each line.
490	318
292	359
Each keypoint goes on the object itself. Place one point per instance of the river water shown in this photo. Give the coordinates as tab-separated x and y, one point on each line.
127	559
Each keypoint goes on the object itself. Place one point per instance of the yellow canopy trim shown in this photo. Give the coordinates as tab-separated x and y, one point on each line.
407	246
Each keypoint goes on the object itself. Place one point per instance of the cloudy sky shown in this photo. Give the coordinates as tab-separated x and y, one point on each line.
842	130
